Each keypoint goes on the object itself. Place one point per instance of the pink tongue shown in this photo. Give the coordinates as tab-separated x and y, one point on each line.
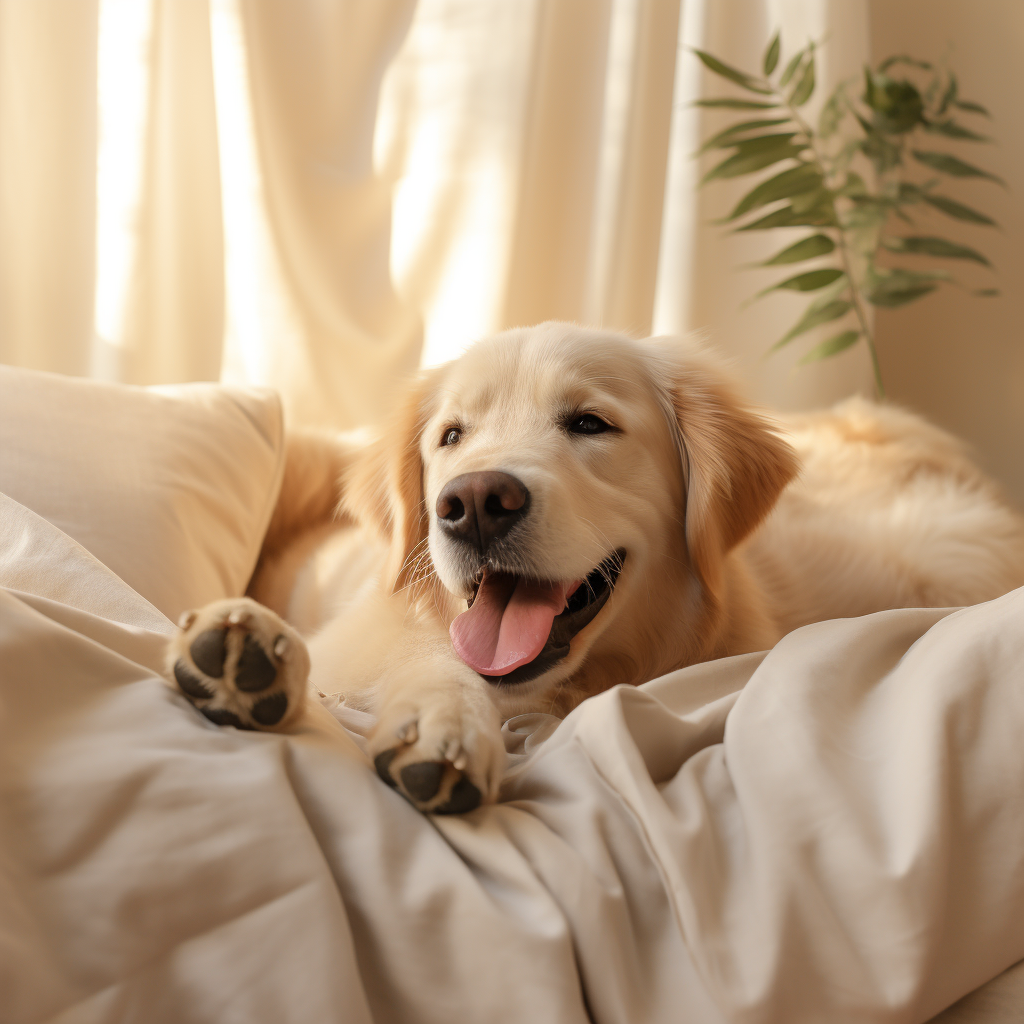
508	624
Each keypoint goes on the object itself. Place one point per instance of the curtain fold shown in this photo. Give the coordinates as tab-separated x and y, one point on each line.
314	77
173	325
48	114
596	139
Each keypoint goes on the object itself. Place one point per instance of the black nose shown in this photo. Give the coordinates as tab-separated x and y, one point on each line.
480	508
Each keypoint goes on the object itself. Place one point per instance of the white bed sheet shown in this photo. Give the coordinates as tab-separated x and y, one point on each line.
833	831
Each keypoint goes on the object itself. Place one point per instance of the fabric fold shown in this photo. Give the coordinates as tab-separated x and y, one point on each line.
829	831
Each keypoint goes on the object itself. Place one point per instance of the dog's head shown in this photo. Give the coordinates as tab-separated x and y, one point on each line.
580	491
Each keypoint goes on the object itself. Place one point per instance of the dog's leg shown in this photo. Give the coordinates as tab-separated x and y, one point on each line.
438	734
438	739
240	665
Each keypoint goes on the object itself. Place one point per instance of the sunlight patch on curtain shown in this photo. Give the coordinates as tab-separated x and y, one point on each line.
619	87
449	137
123	84
259	319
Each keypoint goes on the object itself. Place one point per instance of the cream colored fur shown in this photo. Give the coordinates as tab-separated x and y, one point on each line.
737	528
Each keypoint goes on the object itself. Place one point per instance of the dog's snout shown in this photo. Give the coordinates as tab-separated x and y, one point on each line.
480	508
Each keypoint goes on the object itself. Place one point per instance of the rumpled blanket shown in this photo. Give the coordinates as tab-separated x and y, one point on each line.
831	831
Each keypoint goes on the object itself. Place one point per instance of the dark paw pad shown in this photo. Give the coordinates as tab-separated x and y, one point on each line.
270	710
382	762
208	651
189	683
221	716
255	671
423	779
464	797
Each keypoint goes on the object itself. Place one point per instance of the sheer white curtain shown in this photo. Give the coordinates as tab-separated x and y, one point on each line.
313	194
187	192
47	182
542	160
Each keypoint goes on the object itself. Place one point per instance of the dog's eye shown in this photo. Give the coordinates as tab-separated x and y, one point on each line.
451	436
587	423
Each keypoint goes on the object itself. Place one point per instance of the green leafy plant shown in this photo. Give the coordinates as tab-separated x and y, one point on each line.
891	128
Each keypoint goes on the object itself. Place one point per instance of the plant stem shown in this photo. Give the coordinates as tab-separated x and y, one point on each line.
859	310
844	251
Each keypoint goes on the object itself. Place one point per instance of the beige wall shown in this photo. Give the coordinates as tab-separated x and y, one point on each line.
955	358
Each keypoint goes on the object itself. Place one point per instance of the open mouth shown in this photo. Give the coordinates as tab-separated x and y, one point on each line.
518	628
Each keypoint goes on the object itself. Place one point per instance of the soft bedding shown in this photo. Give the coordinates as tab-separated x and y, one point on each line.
833	831
170	487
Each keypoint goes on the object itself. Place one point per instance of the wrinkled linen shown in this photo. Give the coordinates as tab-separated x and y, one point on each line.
833	831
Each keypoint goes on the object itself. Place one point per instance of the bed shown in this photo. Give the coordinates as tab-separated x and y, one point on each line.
829	831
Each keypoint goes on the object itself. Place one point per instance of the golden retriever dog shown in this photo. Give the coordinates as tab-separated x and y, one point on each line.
562	510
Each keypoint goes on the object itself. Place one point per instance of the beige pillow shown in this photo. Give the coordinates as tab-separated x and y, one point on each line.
170	487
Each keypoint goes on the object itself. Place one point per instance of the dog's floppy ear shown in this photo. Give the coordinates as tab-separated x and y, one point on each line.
734	465
383	488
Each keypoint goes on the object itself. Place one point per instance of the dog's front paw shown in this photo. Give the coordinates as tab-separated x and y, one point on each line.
240	665
440	745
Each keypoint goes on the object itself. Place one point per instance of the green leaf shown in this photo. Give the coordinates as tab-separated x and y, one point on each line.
952	165
893	298
811	281
832	347
898	287
953	130
750	157
805	87
879	150
805	249
771	55
836	290
904	59
909	194
897	106
728	137
987	292
802	202
714	64
841	161
831	113
949	96
930	246
820	217
763	142
954	209
854	187
731	104
974	108
867	213
812	318
794	181
791	68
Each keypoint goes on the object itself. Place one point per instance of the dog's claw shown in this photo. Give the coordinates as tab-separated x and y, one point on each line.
453	753
445	757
